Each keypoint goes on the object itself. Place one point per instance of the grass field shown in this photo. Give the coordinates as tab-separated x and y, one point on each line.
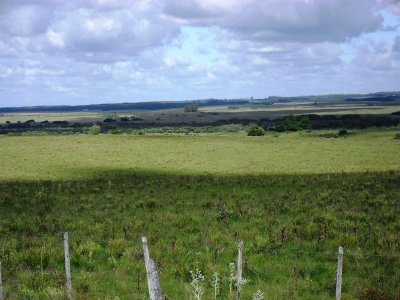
72	157
40	117
293	198
307	108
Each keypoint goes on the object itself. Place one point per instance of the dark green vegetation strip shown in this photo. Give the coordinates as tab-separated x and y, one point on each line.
291	226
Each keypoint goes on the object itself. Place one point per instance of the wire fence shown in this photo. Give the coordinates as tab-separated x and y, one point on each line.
34	267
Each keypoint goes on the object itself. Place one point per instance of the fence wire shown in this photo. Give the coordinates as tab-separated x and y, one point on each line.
34	265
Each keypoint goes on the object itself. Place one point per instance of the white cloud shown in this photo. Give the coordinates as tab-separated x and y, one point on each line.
55	51
282	20
56	39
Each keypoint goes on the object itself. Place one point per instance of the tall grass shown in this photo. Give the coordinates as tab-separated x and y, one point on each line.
291	226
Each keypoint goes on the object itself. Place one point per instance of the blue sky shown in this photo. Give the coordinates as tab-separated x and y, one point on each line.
96	51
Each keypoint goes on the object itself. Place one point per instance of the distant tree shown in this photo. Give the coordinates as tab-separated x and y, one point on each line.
294	123
60	123
94	129
191	107
109	120
255	130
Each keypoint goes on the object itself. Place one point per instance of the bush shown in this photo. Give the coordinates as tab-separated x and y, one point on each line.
255	131
293	123
191	107
109	120
342	132
115	131
94	129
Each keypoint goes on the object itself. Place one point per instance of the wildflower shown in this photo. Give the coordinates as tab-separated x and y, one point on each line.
197	284
232	276
240	283
215	282
258	296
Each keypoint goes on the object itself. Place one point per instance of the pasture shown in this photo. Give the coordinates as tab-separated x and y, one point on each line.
293	198
81	156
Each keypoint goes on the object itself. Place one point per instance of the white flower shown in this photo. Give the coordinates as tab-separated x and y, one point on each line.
240	283
258	296
215	282
232	276
197	284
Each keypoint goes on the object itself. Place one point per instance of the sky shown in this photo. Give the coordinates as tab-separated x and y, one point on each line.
74	52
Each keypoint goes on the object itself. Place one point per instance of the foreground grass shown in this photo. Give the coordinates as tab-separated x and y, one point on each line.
83	156
289	197
291	226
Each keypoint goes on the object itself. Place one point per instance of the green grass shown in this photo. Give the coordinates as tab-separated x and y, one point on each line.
72	157
292	198
291	226
83	117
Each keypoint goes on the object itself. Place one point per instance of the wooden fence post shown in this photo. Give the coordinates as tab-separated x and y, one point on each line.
239	270
339	274
153	282
68	281
1	285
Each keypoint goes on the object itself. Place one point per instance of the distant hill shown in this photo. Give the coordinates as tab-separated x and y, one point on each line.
391	98
372	97
380	97
122	106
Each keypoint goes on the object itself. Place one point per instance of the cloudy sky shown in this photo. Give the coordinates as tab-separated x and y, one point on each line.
97	51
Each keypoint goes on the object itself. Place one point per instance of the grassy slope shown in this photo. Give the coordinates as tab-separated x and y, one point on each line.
72	157
291	224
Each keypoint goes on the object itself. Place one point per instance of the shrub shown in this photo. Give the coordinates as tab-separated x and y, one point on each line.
115	131
342	132
294	123
255	131
191	107
109	120
94	129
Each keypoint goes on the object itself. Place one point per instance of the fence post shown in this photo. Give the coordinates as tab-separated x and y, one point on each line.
153	282
68	282
1	285
339	274
239	270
